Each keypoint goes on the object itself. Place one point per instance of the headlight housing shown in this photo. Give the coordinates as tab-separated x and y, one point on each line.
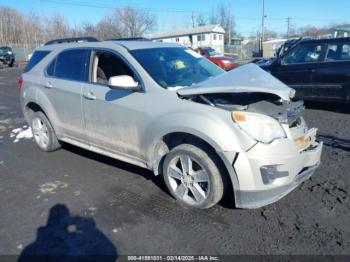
260	127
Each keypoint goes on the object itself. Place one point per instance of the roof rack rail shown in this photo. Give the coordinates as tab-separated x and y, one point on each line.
72	40
129	39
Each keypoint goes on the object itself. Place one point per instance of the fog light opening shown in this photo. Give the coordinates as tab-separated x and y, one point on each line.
270	173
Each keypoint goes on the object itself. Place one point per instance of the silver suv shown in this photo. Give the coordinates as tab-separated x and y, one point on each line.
163	107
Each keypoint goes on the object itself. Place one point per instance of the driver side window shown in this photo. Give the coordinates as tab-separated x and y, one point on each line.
307	53
105	65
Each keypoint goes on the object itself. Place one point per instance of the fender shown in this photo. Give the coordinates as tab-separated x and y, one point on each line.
219	132
37	96
216	137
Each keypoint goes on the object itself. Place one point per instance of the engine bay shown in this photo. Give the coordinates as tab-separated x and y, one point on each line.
263	103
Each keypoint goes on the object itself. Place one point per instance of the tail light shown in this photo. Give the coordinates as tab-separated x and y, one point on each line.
20	83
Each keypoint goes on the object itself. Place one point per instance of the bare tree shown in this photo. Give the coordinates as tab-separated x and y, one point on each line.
132	22
222	15
57	26
201	20
32	30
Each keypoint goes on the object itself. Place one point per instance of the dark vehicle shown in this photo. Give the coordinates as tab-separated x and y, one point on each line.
7	57
287	45
225	62
317	69
261	61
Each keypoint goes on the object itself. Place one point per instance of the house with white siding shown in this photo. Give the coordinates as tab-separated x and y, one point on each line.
201	36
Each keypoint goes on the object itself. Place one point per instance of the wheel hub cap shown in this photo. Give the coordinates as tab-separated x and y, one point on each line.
188	179
40	132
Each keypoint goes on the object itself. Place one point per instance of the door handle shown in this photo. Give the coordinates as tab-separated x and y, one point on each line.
89	96
48	85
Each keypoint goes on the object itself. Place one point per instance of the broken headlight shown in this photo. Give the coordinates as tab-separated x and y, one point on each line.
259	127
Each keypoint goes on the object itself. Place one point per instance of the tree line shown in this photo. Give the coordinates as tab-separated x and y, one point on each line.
32	30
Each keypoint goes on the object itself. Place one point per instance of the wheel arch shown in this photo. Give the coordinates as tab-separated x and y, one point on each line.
38	107
172	139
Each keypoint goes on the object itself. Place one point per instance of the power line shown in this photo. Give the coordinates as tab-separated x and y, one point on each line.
89	4
166	10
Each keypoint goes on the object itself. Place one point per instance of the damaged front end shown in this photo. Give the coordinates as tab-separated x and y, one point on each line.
251	93
285	111
286	152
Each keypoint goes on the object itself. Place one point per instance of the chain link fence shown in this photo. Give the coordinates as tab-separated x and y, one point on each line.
243	51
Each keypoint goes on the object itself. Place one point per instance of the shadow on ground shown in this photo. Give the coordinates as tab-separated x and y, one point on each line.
228	200
69	238
335	142
145	173
334	107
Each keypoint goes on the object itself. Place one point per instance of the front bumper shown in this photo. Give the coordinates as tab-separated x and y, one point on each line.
6	60
291	168
257	199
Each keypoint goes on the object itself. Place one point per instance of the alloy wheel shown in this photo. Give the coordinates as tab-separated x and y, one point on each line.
188	179
40	132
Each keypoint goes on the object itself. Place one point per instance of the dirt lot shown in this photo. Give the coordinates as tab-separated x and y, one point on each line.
115	208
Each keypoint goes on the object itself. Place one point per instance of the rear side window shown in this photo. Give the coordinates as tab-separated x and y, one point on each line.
70	65
338	52
345	52
36	58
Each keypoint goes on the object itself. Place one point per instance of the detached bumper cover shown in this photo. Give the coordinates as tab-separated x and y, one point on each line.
257	198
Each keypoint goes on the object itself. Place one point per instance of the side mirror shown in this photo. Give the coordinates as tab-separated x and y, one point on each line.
123	82
277	61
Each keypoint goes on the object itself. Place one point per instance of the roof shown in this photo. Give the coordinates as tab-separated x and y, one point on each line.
130	45
189	31
344	29
326	40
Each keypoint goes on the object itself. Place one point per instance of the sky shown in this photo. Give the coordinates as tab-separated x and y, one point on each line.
172	14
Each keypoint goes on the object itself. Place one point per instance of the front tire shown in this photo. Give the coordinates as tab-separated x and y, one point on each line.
43	132
192	176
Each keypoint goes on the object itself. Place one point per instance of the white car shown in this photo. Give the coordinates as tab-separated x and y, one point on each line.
166	108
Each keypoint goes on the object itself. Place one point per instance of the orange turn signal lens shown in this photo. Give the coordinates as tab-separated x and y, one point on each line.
238	117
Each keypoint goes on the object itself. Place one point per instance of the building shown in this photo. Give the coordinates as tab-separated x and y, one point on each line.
270	47
341	32
202	36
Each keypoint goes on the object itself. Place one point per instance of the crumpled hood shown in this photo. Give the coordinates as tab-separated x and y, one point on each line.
247	78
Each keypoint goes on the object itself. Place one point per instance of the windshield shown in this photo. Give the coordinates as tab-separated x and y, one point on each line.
4	50
172	67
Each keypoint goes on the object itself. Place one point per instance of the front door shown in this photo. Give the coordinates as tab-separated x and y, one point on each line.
114	118
297	68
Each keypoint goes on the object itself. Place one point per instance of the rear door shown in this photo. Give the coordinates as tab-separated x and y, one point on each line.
332	77
297	67
63	83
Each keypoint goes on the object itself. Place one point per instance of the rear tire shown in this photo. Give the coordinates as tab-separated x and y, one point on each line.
192	177
43	132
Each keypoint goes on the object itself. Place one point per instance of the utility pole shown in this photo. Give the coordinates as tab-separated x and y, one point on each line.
262	28
229	24
288	26
192	17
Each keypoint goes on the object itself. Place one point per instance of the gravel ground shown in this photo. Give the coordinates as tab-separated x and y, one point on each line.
77	200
